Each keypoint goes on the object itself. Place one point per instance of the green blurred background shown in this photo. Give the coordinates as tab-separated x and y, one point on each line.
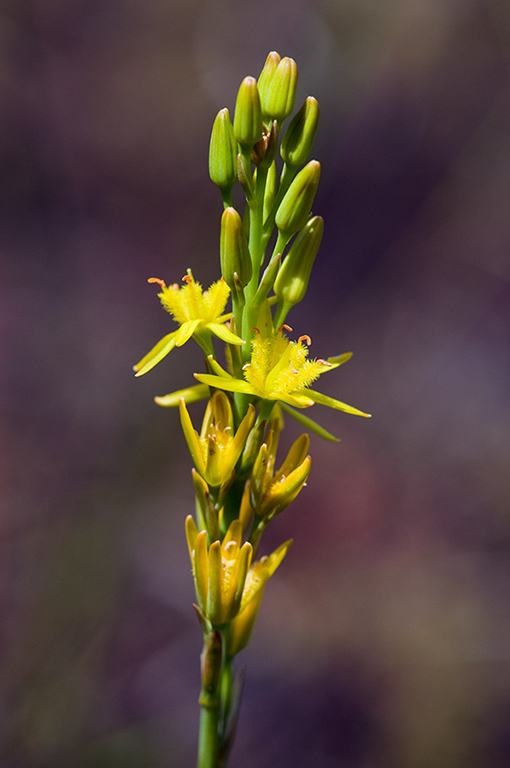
384	640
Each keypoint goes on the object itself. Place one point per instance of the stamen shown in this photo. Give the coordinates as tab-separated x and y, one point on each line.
287	328
187	279
324	362
256	330
158	281
306	339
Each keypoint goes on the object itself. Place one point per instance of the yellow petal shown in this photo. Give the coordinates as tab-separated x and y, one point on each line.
186	331
157	353
191	438
214	606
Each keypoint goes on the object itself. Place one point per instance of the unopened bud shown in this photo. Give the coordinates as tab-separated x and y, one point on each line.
265	77
234	251
248	115
292	280
223	152
295	207
300	134
280	93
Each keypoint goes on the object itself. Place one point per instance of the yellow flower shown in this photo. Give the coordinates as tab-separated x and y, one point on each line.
226	581
279	370
198	312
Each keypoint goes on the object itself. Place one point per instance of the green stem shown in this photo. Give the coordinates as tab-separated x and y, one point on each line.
210	700
208	740
226	195
286	177
257	249
227	679
229	710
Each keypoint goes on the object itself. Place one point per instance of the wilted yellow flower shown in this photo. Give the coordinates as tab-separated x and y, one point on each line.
225	579
271	492
216	451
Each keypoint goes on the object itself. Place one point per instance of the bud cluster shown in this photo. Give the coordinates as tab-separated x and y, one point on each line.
253	138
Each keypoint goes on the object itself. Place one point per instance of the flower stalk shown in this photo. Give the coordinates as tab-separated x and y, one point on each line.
239	483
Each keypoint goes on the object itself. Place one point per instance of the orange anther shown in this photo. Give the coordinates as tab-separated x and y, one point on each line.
187	279
287	328
306	339
157	280
256	330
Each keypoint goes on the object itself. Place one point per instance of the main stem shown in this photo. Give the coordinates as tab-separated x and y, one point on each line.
215	730
210	700
208	737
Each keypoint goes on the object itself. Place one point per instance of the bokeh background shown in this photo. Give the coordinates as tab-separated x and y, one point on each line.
384	640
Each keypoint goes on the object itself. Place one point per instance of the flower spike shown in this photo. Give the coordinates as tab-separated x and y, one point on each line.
263	373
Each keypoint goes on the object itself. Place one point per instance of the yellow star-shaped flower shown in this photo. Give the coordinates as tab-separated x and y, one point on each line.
279	370
199	314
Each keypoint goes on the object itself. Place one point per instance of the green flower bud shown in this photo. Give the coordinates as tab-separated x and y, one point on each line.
300	134
292	281
234	252
223	152
280	92
295	207
248	115
265	77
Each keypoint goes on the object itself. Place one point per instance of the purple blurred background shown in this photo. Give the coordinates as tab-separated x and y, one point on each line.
384	640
